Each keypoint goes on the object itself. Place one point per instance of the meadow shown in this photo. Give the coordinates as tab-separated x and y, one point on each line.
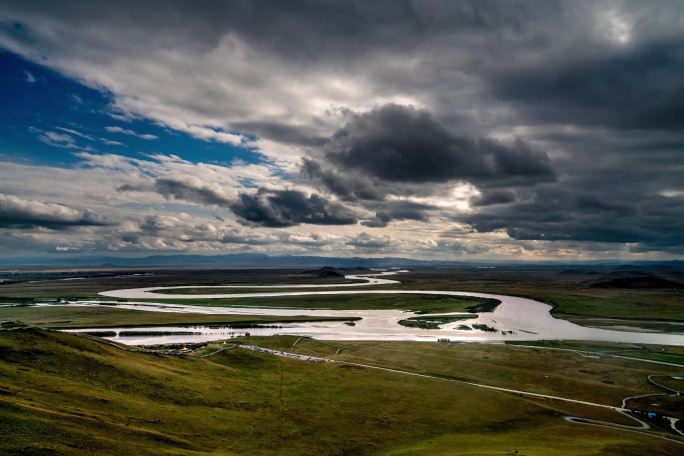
64	394
570	292
67	394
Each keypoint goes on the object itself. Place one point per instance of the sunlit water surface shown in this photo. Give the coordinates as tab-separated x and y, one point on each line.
515	319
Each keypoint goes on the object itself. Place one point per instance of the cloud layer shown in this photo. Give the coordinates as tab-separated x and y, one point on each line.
535	129
21	213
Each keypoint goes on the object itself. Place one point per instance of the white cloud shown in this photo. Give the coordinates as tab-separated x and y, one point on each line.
30	208
54	139
76	133
283	88
130	133
66	248
208	134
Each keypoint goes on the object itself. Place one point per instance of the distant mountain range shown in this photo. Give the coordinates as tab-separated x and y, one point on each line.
263	260
232	260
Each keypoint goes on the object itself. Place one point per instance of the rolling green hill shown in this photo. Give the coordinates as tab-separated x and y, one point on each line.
64	394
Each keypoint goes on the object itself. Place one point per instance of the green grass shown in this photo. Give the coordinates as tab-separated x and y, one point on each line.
432	322
47	284
417	303
670	354
632	304
677	358
103	317
558	373
445	319
251	288
61	394
570	294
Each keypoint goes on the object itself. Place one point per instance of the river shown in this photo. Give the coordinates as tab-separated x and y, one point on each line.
515	319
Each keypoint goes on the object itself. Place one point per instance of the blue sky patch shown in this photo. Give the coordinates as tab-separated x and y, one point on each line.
45	118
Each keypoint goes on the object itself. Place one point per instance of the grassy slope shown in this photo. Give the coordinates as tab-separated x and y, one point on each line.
60	394
671	354
552	372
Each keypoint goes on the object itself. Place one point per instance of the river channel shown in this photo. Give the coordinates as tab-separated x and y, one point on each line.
515	319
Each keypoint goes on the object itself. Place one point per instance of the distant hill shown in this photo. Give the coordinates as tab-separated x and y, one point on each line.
578	272
329	271
650	267
352	265
630	272
638	282
326	272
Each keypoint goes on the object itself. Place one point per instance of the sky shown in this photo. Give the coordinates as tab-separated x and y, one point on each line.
448	130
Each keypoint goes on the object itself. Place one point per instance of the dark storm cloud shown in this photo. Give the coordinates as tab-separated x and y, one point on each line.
21	213
654	222
291	28
447	39
283	208
398	210
640	87
402	144
265	207
190	192
285	134
381	220
347	185
183	189
402	150
596	89
615	189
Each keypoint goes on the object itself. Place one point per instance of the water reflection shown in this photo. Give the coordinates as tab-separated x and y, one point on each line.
515	319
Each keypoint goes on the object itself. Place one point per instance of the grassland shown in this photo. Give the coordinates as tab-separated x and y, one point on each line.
61	317
432	322
79	317
416	303
668	354
87	284
570	292
62	394
557	373
571	295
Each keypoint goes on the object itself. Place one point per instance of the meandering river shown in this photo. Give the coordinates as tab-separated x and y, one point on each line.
514	319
